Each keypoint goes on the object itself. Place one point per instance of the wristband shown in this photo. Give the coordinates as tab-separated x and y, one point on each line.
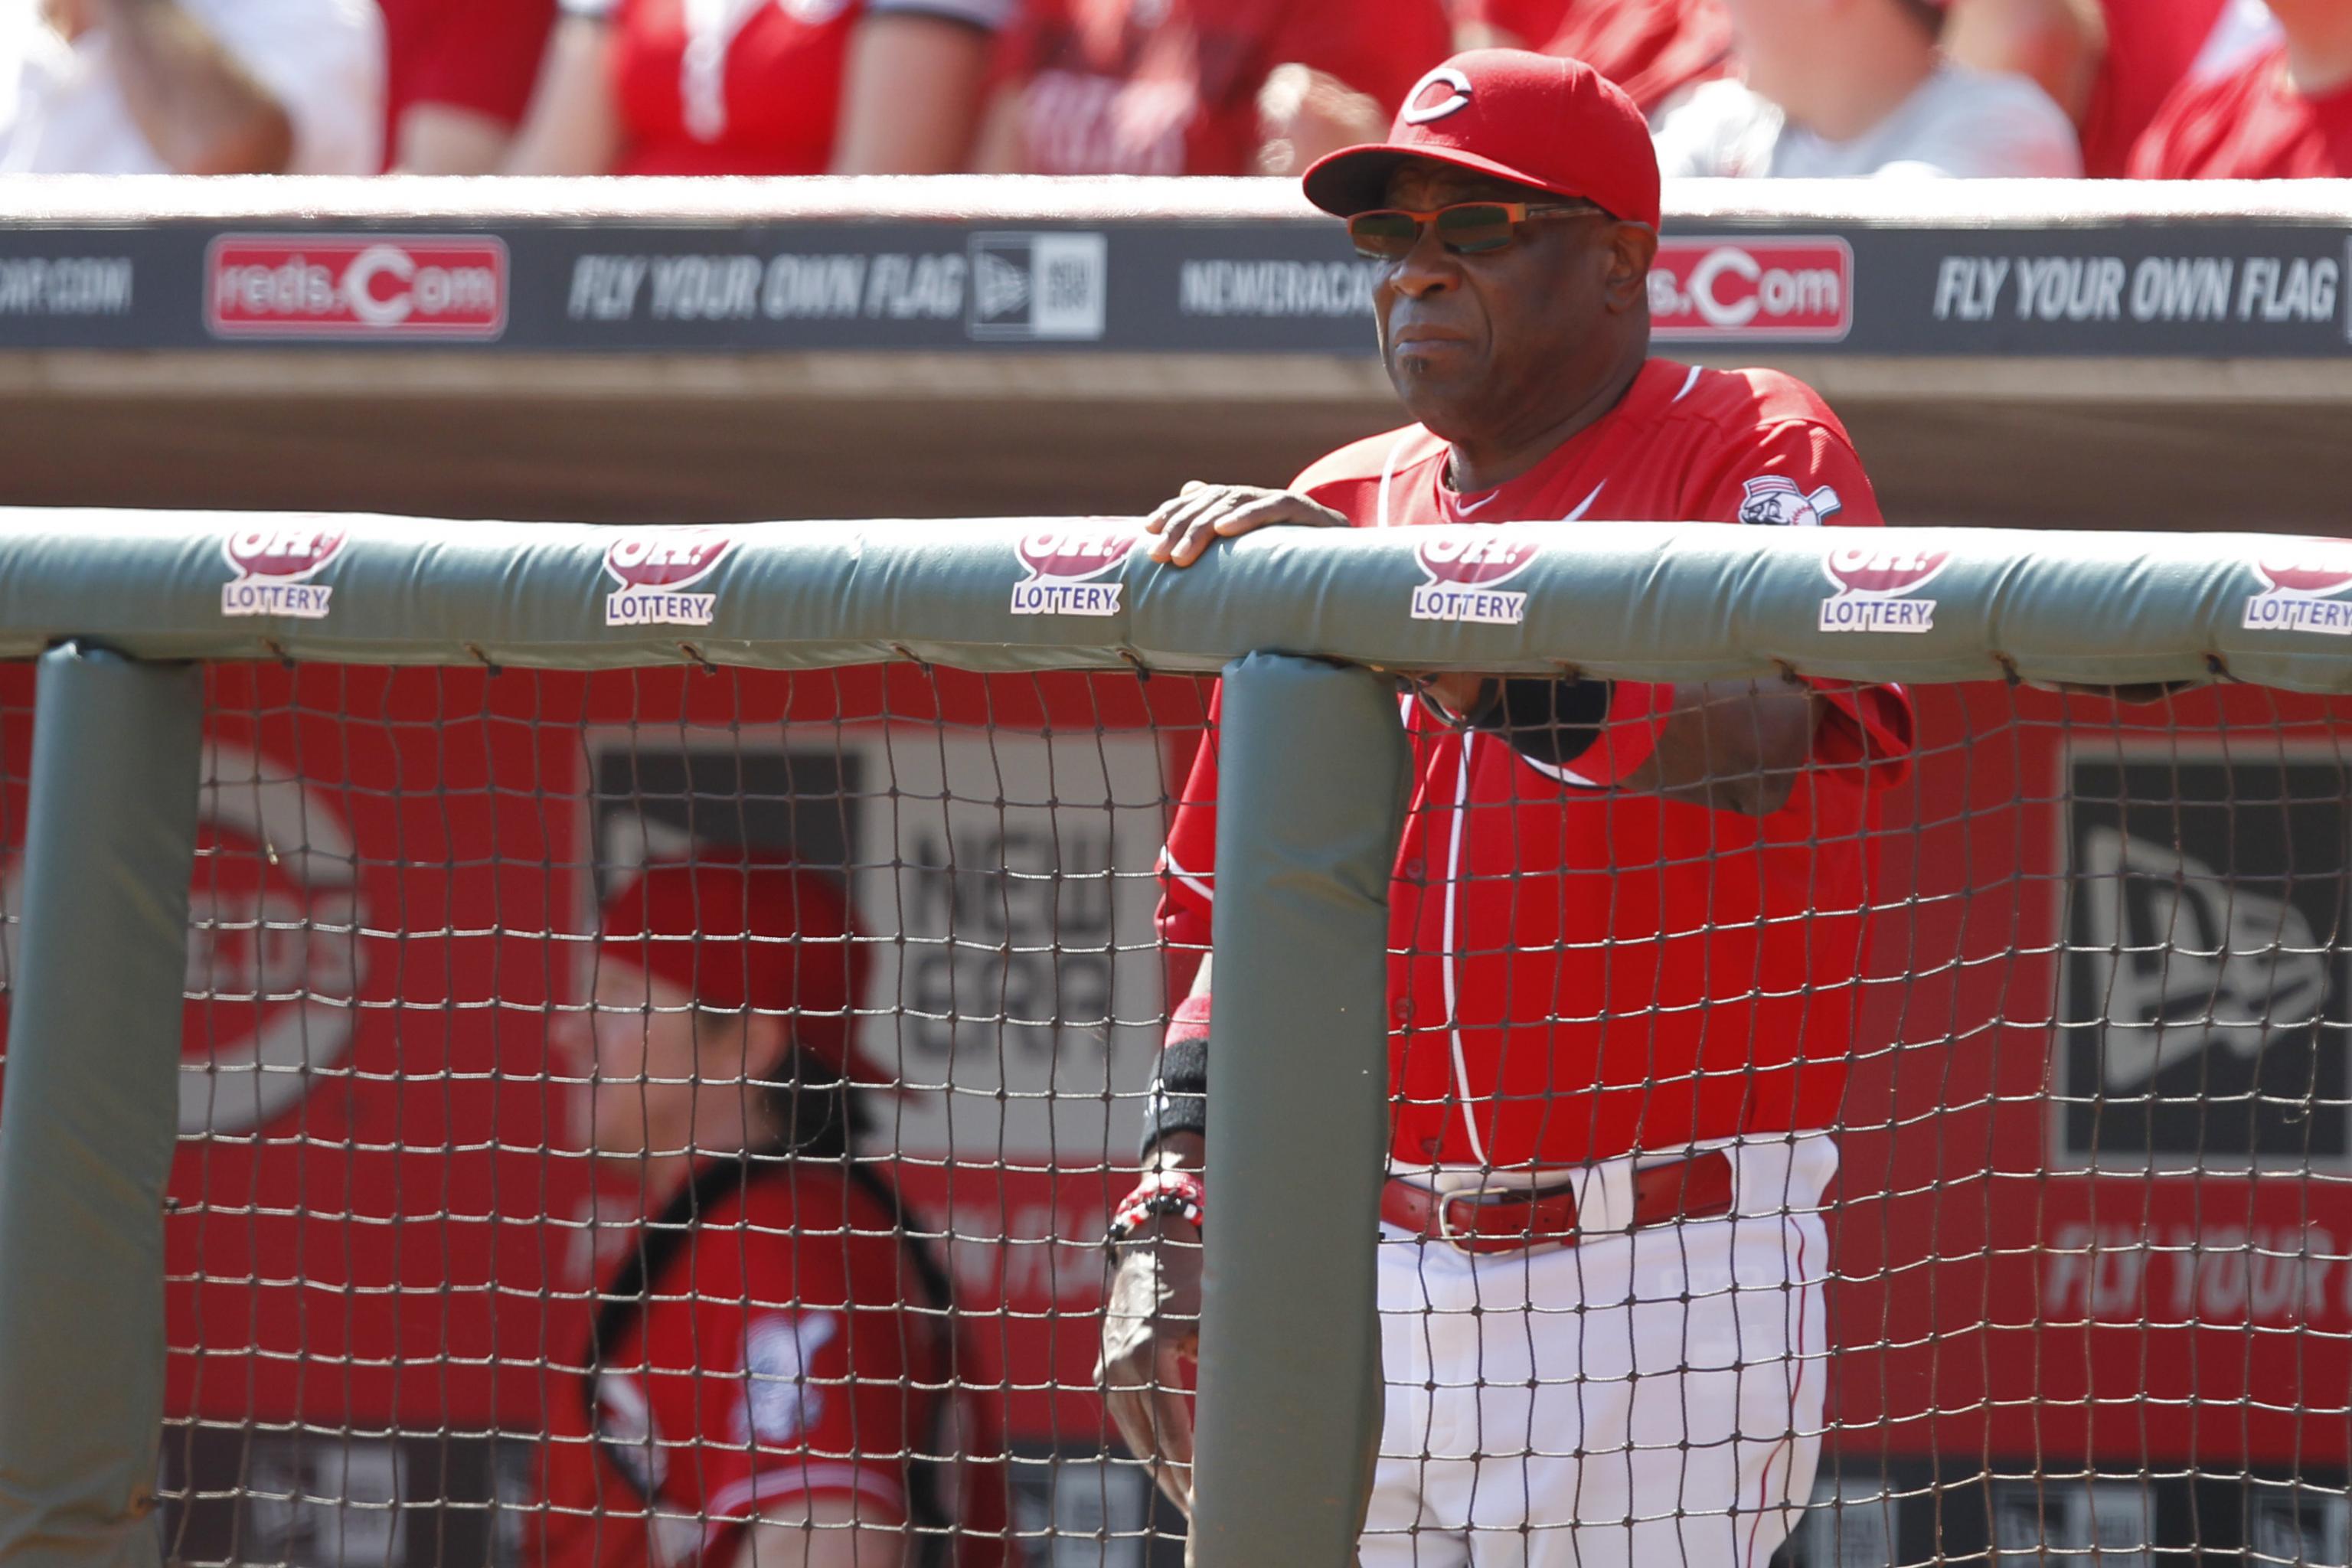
1587	734
1550	721
1177	1193
1179	1088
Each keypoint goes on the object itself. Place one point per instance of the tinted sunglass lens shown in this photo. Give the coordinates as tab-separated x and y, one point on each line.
1473	228
1384	234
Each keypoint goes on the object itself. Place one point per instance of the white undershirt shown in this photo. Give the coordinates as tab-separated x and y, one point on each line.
62	110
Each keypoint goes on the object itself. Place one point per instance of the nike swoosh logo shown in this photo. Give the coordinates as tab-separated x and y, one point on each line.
1586	504
1464	505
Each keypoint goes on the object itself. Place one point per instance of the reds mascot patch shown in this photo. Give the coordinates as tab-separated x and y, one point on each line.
1779	502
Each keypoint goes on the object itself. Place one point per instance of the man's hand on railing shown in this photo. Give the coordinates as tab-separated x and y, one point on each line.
1200	514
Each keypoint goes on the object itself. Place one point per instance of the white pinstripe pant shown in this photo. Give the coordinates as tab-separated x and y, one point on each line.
1651	1400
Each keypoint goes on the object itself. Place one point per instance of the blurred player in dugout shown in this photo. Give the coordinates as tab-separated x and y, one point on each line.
1627	920
763	1380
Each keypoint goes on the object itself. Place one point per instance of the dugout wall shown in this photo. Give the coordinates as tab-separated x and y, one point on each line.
2091	1241
2135	352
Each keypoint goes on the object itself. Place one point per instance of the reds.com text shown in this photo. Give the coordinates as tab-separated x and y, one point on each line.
1778	289
325	286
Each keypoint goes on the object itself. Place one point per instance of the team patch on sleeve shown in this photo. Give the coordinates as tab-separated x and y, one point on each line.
1779	501
779	1403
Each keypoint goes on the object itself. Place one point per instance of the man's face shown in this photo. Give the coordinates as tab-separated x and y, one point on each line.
1473	342
642	1098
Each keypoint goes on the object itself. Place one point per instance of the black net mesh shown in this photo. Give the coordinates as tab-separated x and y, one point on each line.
444	1288
445	1285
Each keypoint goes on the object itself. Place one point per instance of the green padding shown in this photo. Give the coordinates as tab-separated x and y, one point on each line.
1653	601
91	1109
1313	767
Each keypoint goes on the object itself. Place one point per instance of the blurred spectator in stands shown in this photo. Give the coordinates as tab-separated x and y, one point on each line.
1202	87
459	76
759	87
1844	88
2285	114
1652	48
2109	63
191	87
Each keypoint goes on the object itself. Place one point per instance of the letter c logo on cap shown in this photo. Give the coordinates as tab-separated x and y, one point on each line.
1417	112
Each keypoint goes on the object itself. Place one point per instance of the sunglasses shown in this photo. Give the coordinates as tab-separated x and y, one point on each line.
1465	228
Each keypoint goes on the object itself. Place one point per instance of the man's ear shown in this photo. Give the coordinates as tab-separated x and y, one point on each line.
1633	246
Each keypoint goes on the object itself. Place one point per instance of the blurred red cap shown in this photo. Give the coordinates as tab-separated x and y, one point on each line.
1536	119
747	932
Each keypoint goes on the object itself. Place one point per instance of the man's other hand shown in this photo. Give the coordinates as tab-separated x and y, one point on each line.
1151	1350
1199	513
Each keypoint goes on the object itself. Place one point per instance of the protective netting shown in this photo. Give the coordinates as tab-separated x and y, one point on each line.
442	1292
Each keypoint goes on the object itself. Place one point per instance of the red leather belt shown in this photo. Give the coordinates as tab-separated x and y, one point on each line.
1507	1219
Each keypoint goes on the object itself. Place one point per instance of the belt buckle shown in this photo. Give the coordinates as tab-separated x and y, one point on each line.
1469	1241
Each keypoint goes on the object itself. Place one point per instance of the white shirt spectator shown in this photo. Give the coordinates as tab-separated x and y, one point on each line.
62	108
1960	123
2244	29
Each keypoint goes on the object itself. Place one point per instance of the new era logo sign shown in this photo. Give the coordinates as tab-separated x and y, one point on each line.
2204	995
1034	288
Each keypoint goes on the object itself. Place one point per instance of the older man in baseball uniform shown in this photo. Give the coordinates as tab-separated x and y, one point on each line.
1627	919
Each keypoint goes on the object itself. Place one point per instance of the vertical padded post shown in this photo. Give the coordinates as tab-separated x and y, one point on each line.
1312	769
90	1112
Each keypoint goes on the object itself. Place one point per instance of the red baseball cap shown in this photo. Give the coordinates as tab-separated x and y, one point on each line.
740	930
1536	119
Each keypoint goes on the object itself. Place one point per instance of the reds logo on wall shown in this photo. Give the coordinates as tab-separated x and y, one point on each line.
1785	289
274	956
273	938
355	285
1464	566
1874	581
1064	565
2304	581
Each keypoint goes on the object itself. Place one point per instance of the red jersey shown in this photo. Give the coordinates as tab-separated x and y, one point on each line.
2151	44
743	86
1577	971
782	1351
1171	87
1653	48
477	55
2251	125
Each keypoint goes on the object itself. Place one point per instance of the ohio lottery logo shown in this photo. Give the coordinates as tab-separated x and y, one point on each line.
655	568
1874	583
1066	568
274	566
1464	567
2302	595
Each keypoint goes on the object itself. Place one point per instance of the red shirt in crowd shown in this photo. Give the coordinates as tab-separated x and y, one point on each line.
477	55
1171	87
2249	125
776	1357
742	87
2151	44
1653	50
1577	971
